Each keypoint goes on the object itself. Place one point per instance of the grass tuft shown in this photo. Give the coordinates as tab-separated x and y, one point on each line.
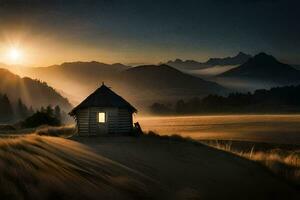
282	162
64	131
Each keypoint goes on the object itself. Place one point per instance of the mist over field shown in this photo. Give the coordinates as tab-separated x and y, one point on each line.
260	128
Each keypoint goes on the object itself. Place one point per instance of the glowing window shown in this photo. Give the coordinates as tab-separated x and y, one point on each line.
101	117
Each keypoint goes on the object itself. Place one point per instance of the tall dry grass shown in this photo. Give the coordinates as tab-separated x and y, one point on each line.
63	131
285	163
41	167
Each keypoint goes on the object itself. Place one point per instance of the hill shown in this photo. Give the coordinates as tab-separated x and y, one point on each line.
264	68
78	70
141	85
70	73
240	58
146	84
164	80
39	167
32	92
75	80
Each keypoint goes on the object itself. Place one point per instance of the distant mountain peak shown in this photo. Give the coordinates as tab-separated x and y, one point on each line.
242	54
240	58
264	55
185	65
165	79
177	60
265	68
88	64
265	59
161	67
165	65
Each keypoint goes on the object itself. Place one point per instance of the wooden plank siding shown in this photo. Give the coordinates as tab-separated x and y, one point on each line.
117	121
125	121
83	122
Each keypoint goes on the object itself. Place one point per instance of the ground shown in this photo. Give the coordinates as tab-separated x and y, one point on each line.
47	168
189	170
124	167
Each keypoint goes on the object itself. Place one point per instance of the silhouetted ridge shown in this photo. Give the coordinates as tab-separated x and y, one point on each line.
166	80
240	58
92	64
155	68
266	68
178	60
140	85
32	92
263	58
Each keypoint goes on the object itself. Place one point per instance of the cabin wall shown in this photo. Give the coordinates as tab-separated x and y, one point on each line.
117	121
82	118
124	121
97	128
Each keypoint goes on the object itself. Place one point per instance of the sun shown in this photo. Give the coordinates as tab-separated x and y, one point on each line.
14	55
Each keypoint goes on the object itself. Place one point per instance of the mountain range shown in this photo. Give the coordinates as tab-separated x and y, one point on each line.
141	85
32	92
162	82
265	68
263	71
69	72
239	59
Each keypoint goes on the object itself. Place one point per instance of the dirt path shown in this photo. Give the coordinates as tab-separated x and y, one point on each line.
189	171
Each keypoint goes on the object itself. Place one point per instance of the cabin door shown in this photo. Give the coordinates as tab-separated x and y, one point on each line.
102	123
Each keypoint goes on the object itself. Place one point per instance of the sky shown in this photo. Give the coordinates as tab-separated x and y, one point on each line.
143	32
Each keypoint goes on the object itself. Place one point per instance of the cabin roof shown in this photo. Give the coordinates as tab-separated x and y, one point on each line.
103	97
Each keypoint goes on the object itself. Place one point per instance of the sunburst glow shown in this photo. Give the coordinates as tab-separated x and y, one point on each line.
14	55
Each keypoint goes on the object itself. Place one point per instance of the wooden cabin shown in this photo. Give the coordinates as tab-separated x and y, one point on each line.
103	112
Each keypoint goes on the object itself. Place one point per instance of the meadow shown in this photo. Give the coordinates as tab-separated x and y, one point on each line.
282	160
282	129
270	140
211	153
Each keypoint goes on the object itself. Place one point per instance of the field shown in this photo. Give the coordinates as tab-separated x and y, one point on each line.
282	129
215	164
271	140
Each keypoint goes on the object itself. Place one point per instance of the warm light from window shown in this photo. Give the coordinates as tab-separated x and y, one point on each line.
101	117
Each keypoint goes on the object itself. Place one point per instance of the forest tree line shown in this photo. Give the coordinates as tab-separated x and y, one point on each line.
13	112
276	100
